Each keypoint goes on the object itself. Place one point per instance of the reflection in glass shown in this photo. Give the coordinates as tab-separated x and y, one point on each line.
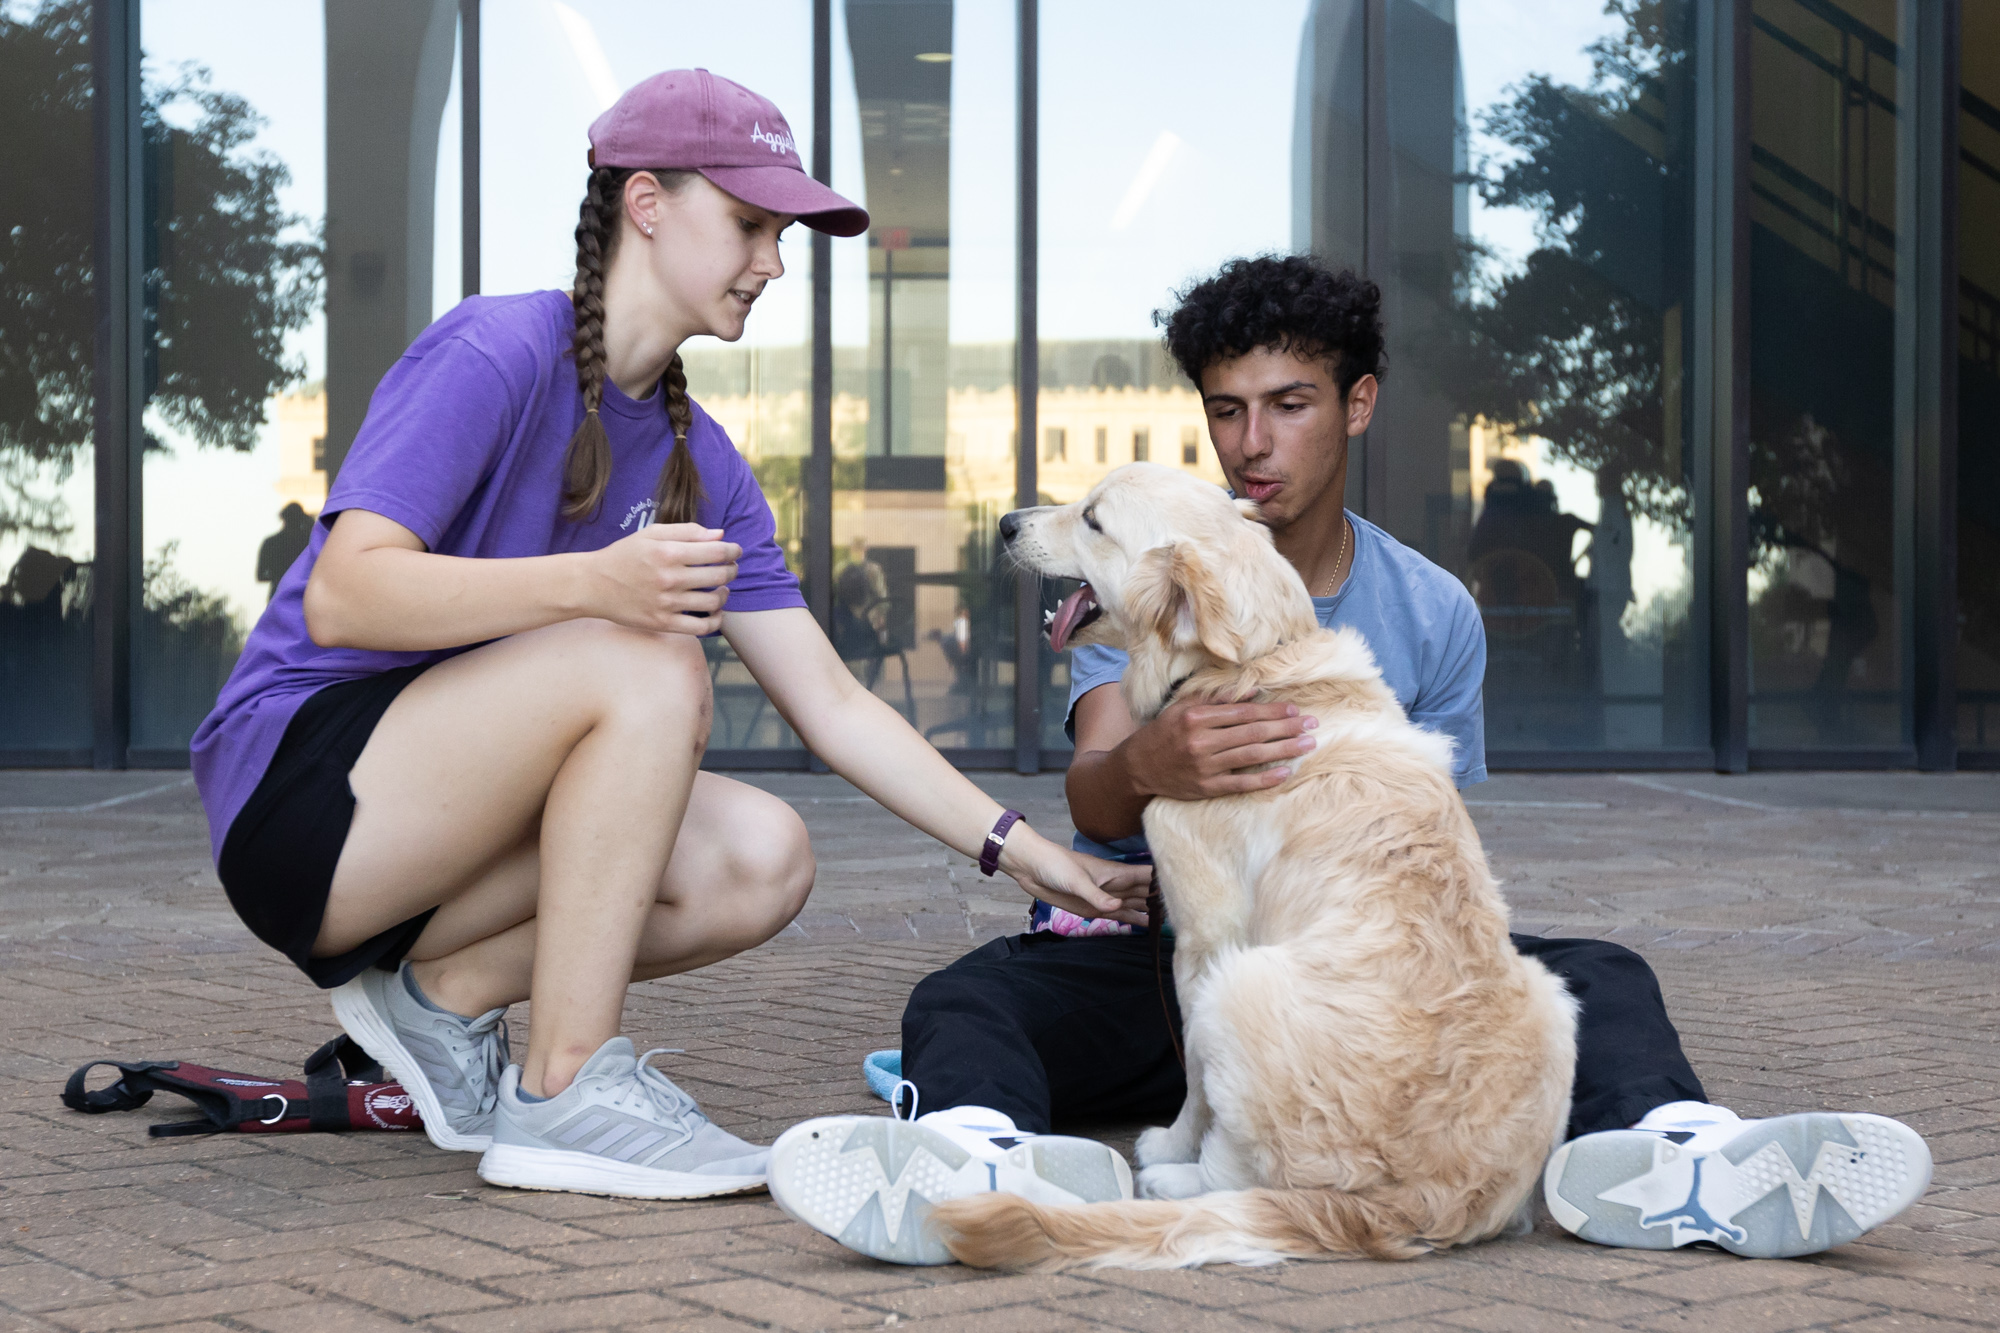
923	413
237	402
1979	381
47	315
1825	617
1194	174
761	395
1531	436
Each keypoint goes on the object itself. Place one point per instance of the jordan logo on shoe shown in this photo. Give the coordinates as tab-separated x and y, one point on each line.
1693	1217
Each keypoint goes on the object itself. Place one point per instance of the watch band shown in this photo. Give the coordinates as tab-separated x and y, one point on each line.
989	853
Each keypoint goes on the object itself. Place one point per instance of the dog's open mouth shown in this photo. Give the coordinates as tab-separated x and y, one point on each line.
1078	609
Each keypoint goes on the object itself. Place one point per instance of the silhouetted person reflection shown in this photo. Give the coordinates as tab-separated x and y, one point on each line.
1522	516
284	546
38	580
956	644
1851	625
861	612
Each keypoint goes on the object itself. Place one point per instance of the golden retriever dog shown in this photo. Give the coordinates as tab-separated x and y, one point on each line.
1372	1068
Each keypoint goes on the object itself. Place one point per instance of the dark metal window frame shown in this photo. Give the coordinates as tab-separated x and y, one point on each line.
1927	427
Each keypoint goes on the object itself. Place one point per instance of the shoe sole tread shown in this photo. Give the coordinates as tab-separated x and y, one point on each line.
523	1167
1860	1171
871	1182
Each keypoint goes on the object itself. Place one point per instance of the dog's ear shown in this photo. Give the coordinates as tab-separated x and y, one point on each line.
1174	595
1250	510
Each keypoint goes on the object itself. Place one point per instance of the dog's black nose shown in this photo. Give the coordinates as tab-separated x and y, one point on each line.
1010	523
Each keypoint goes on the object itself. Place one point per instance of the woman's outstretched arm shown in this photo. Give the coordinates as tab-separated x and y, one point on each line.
870	744
376	586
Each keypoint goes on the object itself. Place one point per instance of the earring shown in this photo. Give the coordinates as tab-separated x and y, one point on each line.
648	230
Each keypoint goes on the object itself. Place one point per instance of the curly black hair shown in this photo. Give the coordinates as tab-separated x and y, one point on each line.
1292	303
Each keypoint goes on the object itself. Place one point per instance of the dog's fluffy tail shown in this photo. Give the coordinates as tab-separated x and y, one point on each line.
1243	1227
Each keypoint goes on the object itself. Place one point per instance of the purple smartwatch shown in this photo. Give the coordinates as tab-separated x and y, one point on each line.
989	855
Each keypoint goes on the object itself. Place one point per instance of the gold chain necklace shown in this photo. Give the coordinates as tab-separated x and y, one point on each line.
1341	559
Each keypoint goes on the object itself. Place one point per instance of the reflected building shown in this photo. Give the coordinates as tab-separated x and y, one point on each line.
388	75
1541	434
1401	473
1452	465
300	417
1100	401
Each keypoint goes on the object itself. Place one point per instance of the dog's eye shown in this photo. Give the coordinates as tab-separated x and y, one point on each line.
1090	519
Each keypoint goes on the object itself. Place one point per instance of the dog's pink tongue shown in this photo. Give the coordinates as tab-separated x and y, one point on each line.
1072	610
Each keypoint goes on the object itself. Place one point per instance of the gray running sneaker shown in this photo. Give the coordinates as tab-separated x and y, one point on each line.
870	1182
449	1065
621	1127
1769	1189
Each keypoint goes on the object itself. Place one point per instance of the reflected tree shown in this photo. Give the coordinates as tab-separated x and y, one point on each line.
1571	347
228	274
1583	344
46	314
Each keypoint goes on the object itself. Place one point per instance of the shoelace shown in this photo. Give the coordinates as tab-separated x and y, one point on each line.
665	1097
896	1100
487	1035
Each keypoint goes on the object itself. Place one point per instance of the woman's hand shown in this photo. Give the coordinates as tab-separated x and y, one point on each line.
669	577
1080	884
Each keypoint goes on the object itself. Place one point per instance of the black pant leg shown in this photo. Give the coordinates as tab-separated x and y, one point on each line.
1048	1029
1628	1056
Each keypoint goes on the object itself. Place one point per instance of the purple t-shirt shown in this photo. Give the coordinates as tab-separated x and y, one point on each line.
463	445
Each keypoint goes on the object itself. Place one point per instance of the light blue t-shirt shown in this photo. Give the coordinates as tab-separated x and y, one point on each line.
1420	623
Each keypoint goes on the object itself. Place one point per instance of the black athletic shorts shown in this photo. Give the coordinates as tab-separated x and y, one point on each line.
279	855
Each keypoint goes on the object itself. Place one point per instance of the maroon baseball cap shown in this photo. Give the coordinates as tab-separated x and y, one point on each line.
691	120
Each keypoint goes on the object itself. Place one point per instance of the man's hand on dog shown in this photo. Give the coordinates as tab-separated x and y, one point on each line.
1197	748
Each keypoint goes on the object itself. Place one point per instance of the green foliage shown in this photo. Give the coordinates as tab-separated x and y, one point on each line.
782	479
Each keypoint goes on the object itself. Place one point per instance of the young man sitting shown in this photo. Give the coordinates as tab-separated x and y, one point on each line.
1076	1020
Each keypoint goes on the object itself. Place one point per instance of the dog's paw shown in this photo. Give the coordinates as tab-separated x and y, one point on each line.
1172	1180
1162	1146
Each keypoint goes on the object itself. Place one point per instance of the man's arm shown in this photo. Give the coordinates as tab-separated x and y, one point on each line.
1452	700
1191	751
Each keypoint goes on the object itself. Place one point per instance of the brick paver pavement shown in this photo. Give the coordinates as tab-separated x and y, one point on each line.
1824	941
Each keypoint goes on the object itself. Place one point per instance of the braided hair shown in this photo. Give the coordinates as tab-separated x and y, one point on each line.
587	462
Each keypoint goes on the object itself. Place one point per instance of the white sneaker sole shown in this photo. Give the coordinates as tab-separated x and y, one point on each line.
364	1022
1793	1185
527	1168
870	1182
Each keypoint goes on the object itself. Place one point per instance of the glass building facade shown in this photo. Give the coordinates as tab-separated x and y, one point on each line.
1693	312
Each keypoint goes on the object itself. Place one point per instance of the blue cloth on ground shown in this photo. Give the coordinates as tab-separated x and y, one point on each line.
883	1070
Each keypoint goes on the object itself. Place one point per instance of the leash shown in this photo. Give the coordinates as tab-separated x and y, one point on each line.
1156	921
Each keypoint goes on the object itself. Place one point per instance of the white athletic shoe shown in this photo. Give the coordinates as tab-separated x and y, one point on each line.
1769	1189
621	1127
870	1182
449	1065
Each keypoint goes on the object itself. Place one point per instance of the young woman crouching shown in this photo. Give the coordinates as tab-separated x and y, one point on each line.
457	765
